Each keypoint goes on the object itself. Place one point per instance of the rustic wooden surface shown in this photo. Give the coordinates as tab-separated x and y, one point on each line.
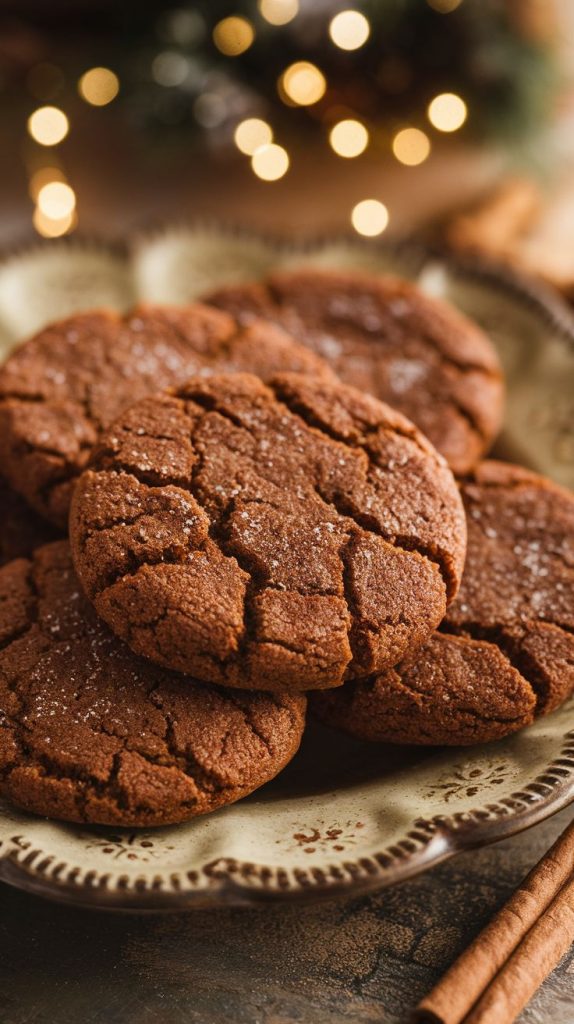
354	960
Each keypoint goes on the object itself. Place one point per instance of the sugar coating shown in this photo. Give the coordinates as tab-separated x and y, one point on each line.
62	388
90	732
386	337
286	536
505	651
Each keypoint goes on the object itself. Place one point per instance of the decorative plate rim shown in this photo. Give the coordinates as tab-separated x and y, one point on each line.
547	301
233	882
228	881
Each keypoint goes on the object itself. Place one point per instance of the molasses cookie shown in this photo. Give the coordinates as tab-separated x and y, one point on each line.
21	529
384	336
272	537
91	733
59	390
505	651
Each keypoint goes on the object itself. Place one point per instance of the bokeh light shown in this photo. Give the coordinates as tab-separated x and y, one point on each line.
411	146
303	83
447	112
270	162
444	6
183	26
50	227
349	30
48	126
370	217
56	200
99	86
43	176
170	68
278	12
349	138
251	134
233	35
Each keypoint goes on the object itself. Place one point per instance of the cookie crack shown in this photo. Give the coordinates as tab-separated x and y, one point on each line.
32	611
467	709
367	524
250	723
566	628
315	422
210	404
510	647
206	780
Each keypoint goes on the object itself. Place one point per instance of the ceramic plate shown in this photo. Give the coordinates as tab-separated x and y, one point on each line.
344	815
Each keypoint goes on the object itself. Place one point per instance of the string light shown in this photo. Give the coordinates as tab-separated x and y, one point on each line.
43	176
251	134
302	83
447	112
99	86
349	30
411	146
48	126
370	217
349	138
50	227
56	200
444	6
278	12
170	68
270	162
233	36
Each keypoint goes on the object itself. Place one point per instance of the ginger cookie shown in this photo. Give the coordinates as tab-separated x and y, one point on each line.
384	336
286	536
62	388
21	529
505	651
89	732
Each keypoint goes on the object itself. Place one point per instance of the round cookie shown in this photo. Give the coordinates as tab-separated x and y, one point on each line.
63	387
286	536
505	651
385	336
91	733
21	529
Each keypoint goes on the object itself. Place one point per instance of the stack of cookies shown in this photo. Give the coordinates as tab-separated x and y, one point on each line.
214	515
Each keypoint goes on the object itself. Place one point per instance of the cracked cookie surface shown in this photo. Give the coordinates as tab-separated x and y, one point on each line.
277	537
505	651
21	529
63	387
89	732
384	336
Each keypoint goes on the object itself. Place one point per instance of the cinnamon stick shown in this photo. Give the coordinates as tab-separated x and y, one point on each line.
464	983
536	956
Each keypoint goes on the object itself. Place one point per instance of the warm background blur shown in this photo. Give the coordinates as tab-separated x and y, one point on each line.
292	115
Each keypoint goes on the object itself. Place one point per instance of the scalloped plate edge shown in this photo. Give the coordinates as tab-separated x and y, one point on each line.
232	882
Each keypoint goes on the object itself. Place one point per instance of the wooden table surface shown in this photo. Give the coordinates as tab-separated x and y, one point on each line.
354	960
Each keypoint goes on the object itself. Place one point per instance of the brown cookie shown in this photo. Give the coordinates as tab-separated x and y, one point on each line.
384	336
91	733
59	390
505	651
21	529
278	537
